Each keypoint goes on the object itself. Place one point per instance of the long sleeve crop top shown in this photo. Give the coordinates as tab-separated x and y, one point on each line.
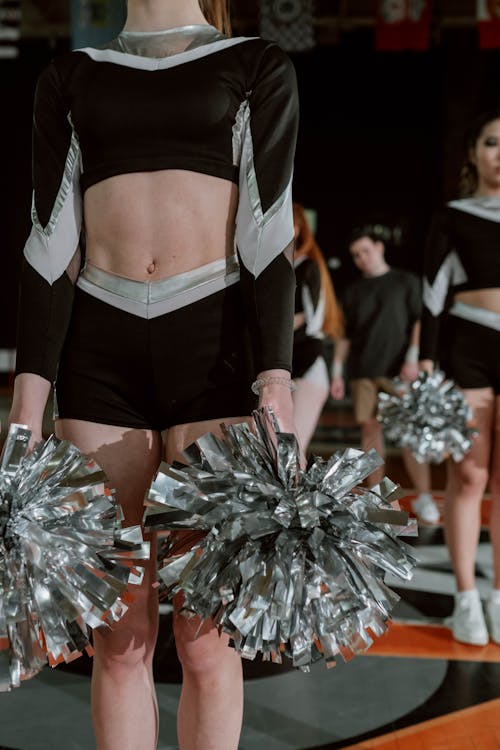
461	254
221	106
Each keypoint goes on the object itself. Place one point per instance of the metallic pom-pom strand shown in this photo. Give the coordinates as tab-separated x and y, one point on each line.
429	416
65	561
293	561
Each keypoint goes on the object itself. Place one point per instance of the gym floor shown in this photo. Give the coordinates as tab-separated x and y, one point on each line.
415	689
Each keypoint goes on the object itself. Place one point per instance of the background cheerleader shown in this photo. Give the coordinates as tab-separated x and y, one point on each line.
318	323
461	329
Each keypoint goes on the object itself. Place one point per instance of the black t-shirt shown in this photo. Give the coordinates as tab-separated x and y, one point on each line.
379	314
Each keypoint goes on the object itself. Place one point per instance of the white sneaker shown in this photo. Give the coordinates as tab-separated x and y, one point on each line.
467	621
426	509
492	611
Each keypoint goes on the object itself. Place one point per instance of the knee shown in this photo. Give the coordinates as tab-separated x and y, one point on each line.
469	479
126	644
371	427
202	657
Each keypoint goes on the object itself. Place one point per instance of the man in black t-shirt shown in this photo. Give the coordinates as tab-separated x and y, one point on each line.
382	322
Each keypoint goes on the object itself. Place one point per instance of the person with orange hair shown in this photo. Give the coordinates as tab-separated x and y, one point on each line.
318	320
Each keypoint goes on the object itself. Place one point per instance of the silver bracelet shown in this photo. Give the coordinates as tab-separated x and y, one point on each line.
272	380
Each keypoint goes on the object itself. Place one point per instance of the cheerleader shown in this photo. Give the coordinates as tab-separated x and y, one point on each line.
461	330
318	324
165	150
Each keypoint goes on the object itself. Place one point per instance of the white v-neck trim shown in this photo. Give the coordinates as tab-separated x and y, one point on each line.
129	60
479	207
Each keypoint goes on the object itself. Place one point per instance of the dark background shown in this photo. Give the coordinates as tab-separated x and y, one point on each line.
380	140
381	135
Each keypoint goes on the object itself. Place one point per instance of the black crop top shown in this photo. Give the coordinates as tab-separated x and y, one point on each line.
462	253
187	98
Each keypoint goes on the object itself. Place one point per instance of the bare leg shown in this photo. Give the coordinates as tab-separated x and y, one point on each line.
423	505
420	474
308	401
124	705
373	437
495	497
211	704
464	492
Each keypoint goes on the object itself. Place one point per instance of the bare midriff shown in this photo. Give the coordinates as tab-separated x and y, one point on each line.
150	225
488	299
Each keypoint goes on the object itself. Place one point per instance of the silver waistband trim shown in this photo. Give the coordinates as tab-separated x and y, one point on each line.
149	299
487	318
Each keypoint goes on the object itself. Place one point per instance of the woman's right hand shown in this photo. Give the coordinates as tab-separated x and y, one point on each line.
30	396
35	429
426	365
337	388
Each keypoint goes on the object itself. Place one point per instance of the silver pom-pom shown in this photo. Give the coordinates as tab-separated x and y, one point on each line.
65	562
430	416
293	561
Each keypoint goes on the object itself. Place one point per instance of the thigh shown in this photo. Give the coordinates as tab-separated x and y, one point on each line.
178	438
386	385
308	401
129	457
477	461
181	436
495	449
364	398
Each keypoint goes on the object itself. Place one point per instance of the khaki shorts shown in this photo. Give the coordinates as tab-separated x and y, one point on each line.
364	394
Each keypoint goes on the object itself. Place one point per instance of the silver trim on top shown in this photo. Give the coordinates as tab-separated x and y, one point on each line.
451	273
165	43
130	60
484	206
260	237
488	318
150	299
49	249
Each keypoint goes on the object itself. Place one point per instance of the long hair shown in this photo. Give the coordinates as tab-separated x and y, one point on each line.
469	179
333	323
217	13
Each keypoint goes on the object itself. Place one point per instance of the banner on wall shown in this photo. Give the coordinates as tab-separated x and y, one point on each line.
10	28
403	24
95	22
488	23
288	22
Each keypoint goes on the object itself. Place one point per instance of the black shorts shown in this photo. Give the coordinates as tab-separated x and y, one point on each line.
184	366
472	358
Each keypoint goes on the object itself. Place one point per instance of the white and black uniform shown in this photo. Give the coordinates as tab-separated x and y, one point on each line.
187	98
463	254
